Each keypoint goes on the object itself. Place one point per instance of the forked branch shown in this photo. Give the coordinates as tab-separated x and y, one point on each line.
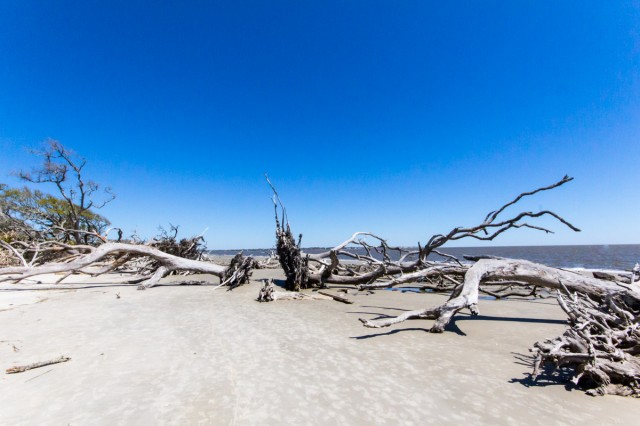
369	261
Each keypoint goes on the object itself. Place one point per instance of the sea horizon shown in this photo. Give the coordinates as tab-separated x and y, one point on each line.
589	256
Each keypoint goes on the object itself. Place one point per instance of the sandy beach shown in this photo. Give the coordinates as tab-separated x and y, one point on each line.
198	355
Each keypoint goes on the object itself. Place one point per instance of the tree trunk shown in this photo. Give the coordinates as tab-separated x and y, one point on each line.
510	270
233	275
602	343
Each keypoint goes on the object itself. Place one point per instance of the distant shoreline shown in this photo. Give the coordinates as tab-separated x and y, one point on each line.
603	256
446	247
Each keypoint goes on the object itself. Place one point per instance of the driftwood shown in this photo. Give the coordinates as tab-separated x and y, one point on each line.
336	297
505	269
602	343
294	264
117	254
22	368
270	262
268	293
146	262
381	265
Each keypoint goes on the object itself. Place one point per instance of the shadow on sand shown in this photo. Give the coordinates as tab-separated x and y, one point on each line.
550	375
453	324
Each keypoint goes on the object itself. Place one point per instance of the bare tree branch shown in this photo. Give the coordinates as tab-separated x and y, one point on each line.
384	260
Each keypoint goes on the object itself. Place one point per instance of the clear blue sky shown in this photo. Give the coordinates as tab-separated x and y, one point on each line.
404	118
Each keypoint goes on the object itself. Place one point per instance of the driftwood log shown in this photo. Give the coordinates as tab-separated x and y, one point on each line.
108	257
23	368
269	293
370	262
510	270
602	343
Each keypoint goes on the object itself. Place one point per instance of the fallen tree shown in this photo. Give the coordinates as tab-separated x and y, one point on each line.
602	342
41	233
109	257
269	293
601	345
523	271
369	262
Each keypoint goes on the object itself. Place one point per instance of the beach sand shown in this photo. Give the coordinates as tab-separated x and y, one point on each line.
194	355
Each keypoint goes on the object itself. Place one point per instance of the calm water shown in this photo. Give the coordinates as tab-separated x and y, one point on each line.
595	257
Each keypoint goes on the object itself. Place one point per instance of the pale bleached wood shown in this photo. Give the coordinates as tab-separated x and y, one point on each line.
510	270
22	368
167	263
602	343
268	293
387	262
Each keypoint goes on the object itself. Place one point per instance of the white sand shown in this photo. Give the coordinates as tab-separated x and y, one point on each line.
194	355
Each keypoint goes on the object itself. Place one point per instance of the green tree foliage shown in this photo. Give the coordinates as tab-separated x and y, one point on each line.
28	214
69	215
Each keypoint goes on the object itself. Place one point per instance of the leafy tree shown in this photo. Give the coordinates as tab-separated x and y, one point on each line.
31	214
70	216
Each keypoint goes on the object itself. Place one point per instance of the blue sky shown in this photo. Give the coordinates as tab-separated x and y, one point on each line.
401	118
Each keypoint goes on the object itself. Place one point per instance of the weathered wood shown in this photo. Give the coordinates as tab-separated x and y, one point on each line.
166	263
506	269
336	297
294	263
238	272
602	343
268	293
387	265
430	270
20	369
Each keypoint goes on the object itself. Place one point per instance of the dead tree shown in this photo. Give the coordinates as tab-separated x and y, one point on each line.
268	293
167	241
376	264
293	262
602	342
108	257
466	297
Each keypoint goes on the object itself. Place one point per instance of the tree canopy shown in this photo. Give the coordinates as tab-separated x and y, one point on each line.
32	214
69	216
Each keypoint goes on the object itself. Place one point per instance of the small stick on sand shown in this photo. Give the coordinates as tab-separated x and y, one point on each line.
336	297
20	369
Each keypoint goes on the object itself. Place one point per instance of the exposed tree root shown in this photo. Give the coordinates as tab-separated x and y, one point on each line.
602	343
380	265
238	272
292	261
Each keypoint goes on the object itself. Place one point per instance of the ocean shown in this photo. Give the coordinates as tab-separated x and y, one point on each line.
614	256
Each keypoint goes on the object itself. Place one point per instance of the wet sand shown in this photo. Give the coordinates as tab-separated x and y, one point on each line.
195	355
